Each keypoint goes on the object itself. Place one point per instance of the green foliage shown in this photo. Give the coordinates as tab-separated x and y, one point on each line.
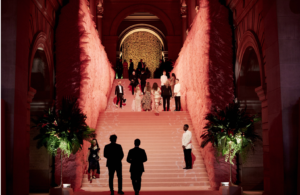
231	131
63	129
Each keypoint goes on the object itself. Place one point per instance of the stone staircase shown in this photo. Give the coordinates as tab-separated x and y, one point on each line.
160	137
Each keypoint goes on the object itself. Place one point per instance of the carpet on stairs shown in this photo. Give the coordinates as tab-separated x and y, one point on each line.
160	136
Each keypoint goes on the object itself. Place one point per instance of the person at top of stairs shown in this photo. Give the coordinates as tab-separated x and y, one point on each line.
136	157
187	146
114	154
163	78
119	91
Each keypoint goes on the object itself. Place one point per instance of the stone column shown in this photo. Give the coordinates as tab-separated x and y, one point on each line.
174	46
110	45
184	20
165	54
191	11
93	9
261	93
100	11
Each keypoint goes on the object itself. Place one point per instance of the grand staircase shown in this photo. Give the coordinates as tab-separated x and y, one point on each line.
161	138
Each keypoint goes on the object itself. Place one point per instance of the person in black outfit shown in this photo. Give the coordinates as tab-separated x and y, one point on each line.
136	157
130	68
119	68
166	93
114	154
119	92
143	80
133	81
139	68
93	159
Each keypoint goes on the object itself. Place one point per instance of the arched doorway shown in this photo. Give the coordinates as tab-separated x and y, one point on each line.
39	160
249	78
144	45
142	35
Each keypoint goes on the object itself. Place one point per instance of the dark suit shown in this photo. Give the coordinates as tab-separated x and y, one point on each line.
133	83
139	69
119	95
130	69
119	69
114	154
166	93
143	81
136	157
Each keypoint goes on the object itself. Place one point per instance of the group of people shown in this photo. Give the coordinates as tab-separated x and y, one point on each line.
143	92
124	72
113	152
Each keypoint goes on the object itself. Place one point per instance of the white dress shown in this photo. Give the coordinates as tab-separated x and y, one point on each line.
137	102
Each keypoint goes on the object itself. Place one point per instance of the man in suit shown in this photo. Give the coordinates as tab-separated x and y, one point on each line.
133	81
139	68
119	68
119	92
114	154
131	66
136	157
143	80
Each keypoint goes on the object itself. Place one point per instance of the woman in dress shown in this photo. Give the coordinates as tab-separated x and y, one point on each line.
125	70
157	97
136	104
146	101
93	159
172	83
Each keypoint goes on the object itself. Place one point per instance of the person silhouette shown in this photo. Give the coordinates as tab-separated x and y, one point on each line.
114	154
136	157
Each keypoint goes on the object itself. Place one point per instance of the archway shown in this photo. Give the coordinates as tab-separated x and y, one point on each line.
251	172
143	45
141	8
40	95
142	28
39	159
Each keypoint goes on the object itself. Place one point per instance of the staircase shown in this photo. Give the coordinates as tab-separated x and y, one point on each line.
161	138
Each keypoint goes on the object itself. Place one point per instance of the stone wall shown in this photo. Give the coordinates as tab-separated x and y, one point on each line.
83	71
204	70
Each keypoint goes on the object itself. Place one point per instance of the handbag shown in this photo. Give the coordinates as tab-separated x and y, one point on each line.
160	102
97	157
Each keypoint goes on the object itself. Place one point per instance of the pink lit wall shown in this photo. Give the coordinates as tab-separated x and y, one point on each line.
83	71
204	68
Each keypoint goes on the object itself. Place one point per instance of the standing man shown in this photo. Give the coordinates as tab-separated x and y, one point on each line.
139	68
119	92
114	154
130	68
143	80
119	69
177	95
187	147
133	81
136	157
163	78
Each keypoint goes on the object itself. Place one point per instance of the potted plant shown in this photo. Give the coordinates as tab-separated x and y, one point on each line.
231	131
63	129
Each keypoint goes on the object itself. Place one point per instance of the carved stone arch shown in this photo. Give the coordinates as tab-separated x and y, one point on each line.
249	39
142	27
40	42
141	8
